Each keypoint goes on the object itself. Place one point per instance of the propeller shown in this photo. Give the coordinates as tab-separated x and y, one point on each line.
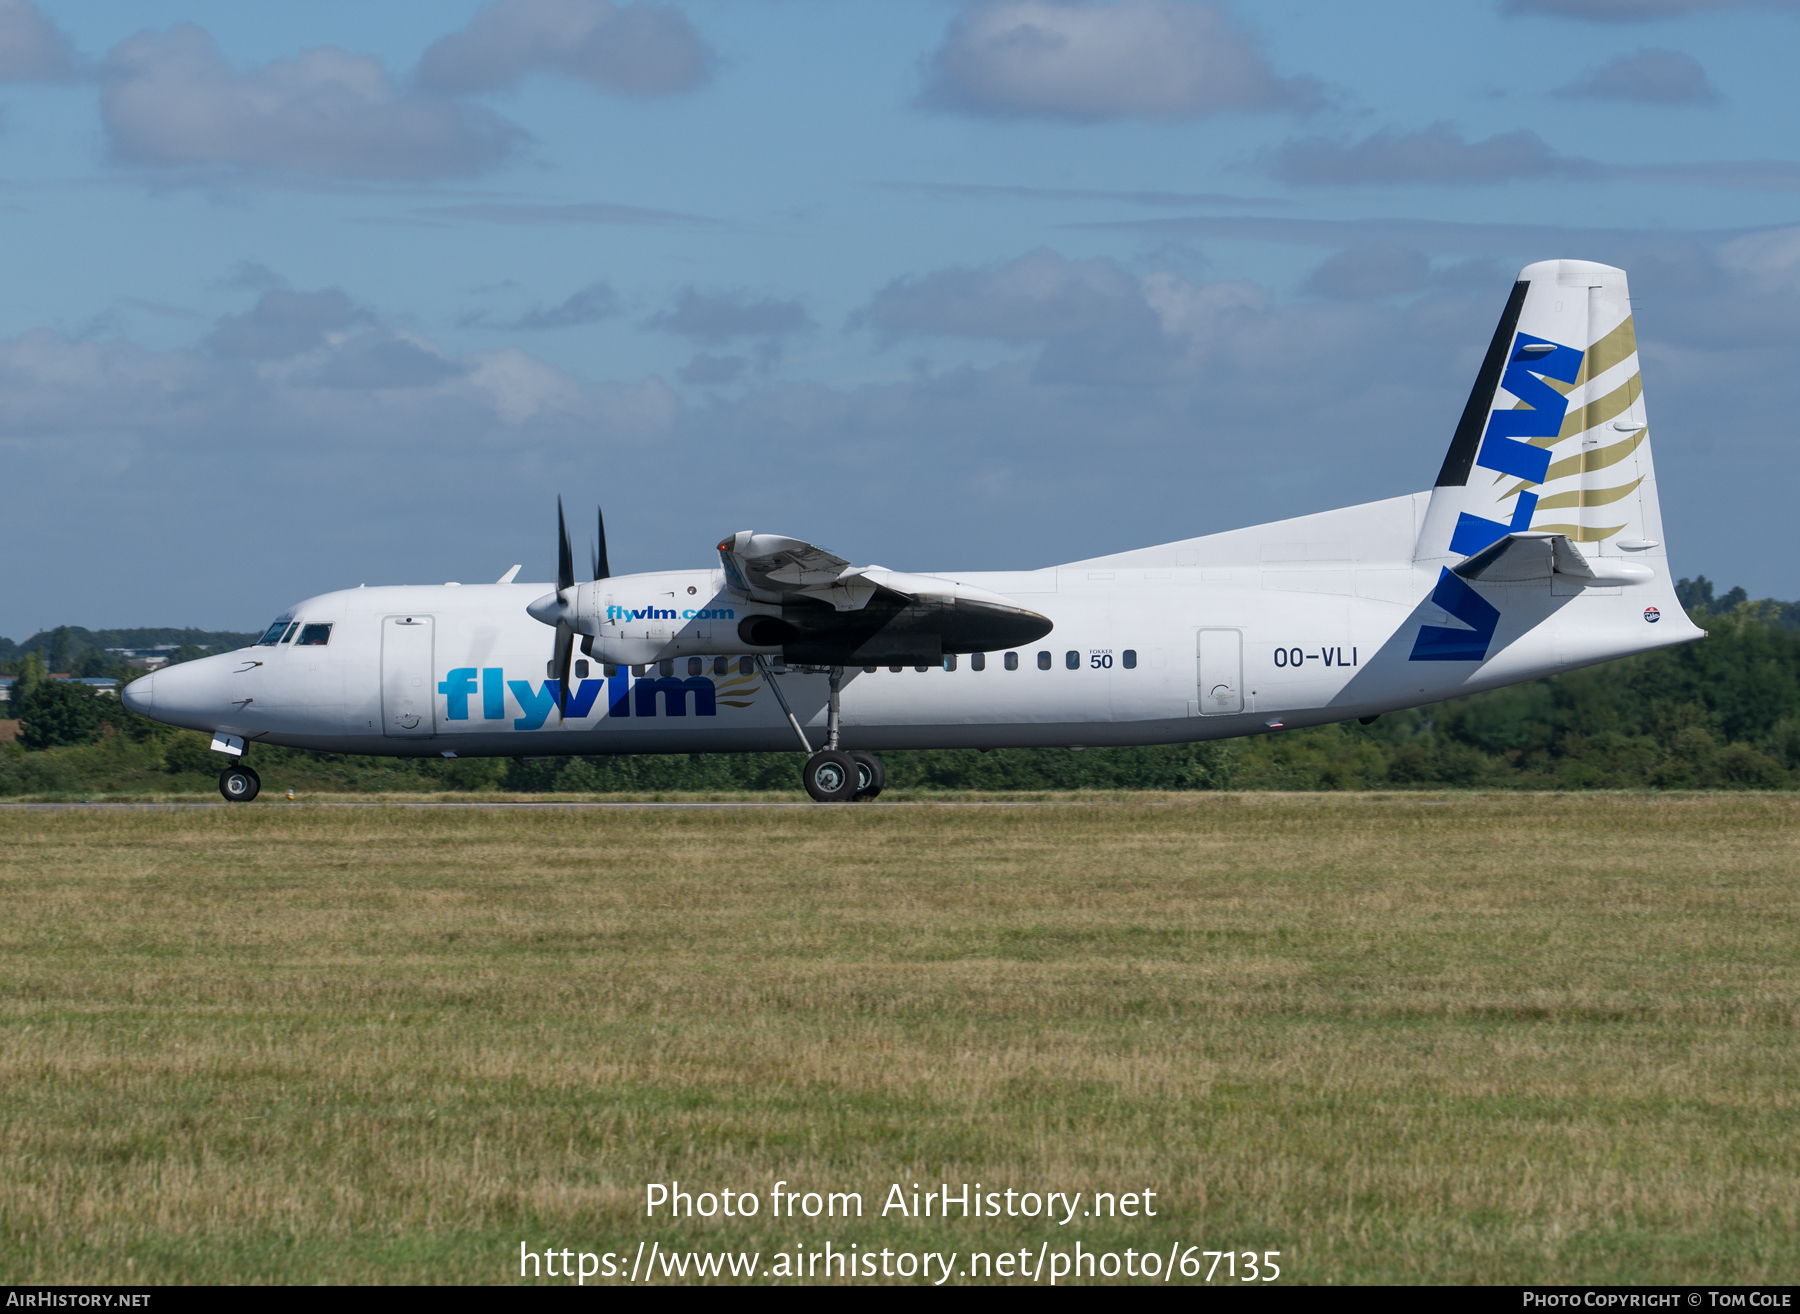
597	556
597	551
565	633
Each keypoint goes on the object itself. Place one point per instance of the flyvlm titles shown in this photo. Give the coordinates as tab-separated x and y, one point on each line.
624	696
669	613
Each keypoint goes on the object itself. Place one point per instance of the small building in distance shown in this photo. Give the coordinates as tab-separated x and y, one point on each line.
104	687
146	659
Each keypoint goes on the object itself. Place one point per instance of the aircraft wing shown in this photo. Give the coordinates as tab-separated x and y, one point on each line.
773	568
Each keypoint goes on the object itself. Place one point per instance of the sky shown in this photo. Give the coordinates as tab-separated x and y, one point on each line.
309	296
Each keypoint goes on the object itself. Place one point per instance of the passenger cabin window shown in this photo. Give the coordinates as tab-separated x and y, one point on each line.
1072	660
1043	661
1012	661
949	661
581	670
273	637
978	661
1130	659
696	666
314	636
721	666
746	665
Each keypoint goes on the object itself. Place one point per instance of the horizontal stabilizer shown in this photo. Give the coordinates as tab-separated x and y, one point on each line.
1520	558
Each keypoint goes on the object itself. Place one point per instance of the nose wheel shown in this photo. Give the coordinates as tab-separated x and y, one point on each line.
239	784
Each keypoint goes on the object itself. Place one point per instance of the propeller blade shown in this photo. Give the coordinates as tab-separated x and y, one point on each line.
601	569
565	657
565	558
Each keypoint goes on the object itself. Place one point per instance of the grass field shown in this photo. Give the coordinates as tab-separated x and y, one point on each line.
1540	1038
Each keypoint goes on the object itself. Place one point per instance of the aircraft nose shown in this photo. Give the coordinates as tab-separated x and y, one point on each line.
195	694
140	695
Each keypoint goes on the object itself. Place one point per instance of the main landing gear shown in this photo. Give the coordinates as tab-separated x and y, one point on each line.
832	775
239	784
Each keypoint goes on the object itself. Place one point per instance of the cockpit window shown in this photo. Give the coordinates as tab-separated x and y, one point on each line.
314	635
274	635
292	630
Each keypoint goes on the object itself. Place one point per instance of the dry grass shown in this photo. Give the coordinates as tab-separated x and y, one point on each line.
1500	1038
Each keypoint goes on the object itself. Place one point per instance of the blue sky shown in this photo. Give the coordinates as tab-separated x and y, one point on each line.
309	296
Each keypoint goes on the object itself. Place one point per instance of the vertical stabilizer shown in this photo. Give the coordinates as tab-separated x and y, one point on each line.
1554	438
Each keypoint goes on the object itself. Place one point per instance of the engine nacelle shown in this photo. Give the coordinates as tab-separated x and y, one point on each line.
634	620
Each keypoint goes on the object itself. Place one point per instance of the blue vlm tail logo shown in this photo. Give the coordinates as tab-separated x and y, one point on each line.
459	685
1440	643
1503	448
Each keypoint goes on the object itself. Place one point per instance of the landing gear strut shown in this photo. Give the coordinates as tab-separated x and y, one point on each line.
831	775
239	784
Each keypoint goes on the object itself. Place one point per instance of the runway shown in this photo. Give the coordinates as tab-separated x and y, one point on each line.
571	806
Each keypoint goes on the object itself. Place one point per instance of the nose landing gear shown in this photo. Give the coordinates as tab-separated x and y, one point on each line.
239	784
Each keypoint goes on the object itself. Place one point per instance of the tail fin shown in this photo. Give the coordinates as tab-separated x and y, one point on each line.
1554	438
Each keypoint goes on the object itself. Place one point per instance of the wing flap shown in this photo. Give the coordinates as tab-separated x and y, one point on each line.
774	568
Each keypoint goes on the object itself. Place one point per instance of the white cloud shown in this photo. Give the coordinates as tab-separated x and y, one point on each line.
1370	269
1649	77
1631	11
282	324
169	99
1078	59
1771	258
32	49
728	316
1437	154
633	50
1039	295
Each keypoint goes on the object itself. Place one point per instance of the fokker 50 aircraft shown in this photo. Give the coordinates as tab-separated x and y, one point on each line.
1540	549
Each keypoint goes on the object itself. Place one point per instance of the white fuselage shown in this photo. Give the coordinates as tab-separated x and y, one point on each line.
1296	623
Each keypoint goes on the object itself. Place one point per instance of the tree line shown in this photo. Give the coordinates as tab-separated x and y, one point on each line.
1722	713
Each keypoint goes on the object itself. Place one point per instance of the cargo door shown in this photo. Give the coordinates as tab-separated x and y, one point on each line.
1221	654
408	697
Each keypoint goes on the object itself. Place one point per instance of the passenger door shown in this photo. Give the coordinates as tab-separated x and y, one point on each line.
1221	657
408	696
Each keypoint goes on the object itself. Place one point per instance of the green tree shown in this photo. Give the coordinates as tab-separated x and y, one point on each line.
59	650
59	714
190	753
